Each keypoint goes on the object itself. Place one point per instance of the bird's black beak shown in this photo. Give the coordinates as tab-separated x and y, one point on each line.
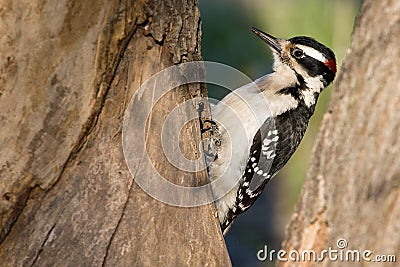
269	39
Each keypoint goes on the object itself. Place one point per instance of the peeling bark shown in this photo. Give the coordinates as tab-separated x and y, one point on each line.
352	188
66	195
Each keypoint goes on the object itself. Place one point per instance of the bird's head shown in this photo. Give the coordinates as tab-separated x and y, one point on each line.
308	58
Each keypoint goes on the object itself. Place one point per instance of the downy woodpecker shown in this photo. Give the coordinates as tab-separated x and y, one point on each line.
260	125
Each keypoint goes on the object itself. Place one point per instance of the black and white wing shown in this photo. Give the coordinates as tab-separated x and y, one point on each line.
257	172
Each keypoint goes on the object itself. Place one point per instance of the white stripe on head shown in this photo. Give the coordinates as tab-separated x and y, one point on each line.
311	52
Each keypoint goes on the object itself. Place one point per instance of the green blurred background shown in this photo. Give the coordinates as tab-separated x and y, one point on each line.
226	38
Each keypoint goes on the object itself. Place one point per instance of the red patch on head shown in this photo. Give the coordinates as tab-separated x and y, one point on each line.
331	64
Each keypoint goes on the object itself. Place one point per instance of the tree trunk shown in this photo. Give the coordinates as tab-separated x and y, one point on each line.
352	189
68	70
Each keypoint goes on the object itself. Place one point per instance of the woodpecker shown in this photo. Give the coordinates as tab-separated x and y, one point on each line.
258	126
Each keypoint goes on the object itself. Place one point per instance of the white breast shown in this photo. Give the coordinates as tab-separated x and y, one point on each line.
239	116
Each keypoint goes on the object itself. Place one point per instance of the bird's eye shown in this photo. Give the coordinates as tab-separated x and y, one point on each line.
298	53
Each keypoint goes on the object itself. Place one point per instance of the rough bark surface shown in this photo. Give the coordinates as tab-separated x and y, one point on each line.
67	72
353	184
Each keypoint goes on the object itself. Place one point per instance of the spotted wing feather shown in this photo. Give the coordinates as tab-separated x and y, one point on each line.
257	172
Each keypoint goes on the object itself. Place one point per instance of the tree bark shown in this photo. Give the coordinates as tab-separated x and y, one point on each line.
352	189
67	198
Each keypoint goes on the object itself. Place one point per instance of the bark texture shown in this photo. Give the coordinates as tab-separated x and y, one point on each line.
353	184
67	72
